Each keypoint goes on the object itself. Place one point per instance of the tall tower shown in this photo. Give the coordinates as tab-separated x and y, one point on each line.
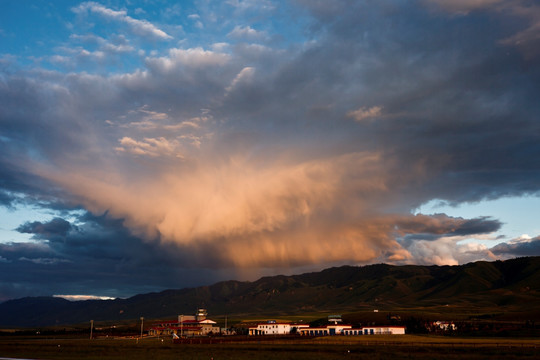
201	314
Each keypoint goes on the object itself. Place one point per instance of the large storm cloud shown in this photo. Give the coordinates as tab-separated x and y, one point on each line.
258	151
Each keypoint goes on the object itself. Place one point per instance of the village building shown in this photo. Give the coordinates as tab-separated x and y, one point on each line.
375	330
348	330
200	325
186	326
334	329
271	327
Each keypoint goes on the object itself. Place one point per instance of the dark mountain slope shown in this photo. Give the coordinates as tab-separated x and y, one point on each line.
348	288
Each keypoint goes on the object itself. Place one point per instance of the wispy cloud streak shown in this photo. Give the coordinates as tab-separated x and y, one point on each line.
141	27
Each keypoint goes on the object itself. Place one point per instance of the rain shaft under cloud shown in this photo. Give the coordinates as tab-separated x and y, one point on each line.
263	146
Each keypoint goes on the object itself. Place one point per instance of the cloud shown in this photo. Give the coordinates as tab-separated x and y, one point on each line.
247	5
57	227
149	147
244	76
141	27
528	39
247	33
153	115
118	45
190	58
365	113
6	198
518	247
70	258
243	156
464	6
99	257
196	19
433	227
448	251
281	214
325	9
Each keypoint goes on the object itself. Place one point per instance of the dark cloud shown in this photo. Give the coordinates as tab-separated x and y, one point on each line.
529	247
464	113
97	256
15	251
476	226
57	227
18	185
6	198
440	225
312	153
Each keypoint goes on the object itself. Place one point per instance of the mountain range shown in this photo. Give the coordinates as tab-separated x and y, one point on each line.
502	286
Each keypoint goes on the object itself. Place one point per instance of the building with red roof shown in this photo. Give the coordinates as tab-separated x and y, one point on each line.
186	325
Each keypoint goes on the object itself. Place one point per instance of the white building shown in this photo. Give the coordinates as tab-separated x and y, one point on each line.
335	329
272	327
376	330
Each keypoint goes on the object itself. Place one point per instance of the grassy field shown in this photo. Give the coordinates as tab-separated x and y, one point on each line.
366	347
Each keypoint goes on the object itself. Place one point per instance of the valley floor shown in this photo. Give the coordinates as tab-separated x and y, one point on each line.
338	347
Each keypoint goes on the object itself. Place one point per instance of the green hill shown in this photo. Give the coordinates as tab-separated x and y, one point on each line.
500	286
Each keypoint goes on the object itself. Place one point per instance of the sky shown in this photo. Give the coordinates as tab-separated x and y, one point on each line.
152	144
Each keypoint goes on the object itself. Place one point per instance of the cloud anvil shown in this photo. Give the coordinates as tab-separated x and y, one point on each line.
241	138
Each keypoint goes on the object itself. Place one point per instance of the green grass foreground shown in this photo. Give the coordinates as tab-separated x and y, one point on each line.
338	347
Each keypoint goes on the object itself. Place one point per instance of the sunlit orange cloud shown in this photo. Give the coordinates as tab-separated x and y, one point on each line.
239	213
